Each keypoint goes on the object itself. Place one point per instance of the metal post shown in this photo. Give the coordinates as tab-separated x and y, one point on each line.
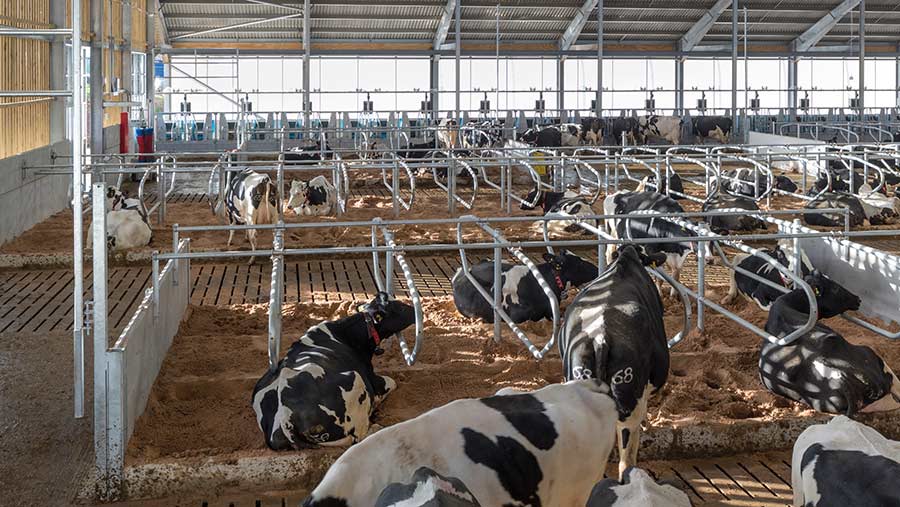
307	51
862	63
679	85
498	293
77	224
897	77
734	55
701	276
793	67
103	460
458	55
97	85
599	99
560	87
435	85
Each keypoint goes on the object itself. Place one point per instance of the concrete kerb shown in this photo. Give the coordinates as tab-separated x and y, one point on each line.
302	470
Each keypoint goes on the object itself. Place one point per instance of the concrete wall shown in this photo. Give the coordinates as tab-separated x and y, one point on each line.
25	201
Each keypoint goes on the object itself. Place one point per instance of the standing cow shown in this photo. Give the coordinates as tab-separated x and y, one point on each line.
522	296
665	127
564	204
637	489
325	389
628	129
250	200
591	131
614	333
315	197
820	368
845	463
542	448
624	202
712	127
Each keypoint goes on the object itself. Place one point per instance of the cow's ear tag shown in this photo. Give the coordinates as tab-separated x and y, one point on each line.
817	291
378	317
361	308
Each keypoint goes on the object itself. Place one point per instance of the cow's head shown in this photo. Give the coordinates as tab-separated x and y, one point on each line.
298	197
636	253
784	183
536	196
115	198
571	268
649	126
831	297
778	254
385	316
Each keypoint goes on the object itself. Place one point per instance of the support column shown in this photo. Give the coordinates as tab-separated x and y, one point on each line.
599	107
793	68
151	69
435	85
897	77
560	86
862	59
307	52
96	80
127	65
458	55
58	74
734	55
679	85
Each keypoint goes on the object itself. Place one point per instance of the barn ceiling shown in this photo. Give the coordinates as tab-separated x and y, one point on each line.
374	22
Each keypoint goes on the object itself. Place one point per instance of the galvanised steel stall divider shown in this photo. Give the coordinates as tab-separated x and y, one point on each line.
468	168
408	355
496	299
276	297
510	158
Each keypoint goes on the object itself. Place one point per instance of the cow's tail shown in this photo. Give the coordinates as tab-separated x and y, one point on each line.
265	210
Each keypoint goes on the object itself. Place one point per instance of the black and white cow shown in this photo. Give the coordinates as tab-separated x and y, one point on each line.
740	182
591	131
761	294
878	207
673	184
542	448
314	197
629	127
565	204
665	127
785	184
637	489
821	369
845	463
614	333
481	134
418	150
835	200
448	134
523	298
306	153
117	199
712	127
624	202
728	223
542	137
324	390
250	200
427	488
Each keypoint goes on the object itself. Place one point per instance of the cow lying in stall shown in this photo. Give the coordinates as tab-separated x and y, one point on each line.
126	226
754	290
316	197
324	390
523	299
637	489
820	368
250	200
546	447
845	463
727	223
834	200
671	186
625	202
614	333
564	204
878	207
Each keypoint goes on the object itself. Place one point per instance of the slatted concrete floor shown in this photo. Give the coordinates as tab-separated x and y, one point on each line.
41	300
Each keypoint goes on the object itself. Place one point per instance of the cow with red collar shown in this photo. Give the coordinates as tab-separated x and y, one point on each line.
522	297
324	391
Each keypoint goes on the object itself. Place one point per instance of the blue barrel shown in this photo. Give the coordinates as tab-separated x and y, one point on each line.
159	69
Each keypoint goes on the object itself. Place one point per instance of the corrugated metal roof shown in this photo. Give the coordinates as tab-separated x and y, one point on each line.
537	20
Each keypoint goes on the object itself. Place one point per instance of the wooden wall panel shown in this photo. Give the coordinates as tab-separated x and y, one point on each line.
24	65
85	18
138	26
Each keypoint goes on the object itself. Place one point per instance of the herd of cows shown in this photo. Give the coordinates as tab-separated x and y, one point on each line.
550	446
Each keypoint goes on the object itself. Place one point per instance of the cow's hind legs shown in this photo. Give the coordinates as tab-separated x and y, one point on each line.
628	433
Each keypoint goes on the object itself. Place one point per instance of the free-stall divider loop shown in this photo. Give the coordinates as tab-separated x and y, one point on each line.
451	160
408	355
508	159
396	161
578	165
276	297
497	305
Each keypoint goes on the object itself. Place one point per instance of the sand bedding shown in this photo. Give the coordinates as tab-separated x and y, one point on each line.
200	404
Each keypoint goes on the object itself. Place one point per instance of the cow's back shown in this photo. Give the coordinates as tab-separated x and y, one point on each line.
508	450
